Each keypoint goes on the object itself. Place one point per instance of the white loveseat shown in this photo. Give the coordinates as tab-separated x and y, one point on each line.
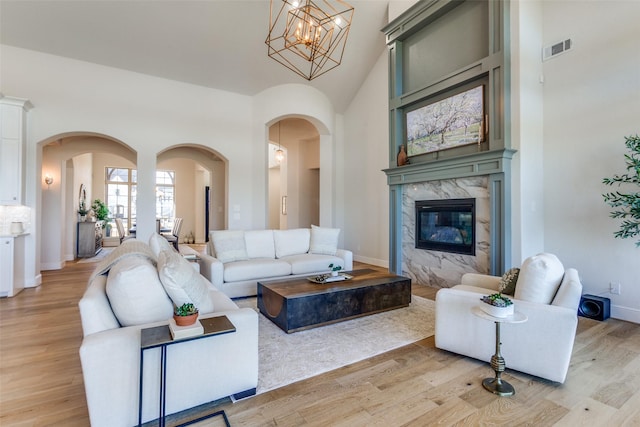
236	260
136	287
547	294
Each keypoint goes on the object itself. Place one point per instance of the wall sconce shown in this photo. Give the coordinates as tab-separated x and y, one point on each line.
48	179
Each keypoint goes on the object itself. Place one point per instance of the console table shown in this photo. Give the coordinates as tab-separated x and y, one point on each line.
89	241
160	336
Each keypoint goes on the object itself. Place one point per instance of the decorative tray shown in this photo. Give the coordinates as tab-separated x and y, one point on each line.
328	278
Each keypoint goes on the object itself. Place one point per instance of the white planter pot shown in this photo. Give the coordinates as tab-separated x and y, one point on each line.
494	311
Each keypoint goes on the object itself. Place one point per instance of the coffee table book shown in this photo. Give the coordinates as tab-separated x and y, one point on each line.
181	332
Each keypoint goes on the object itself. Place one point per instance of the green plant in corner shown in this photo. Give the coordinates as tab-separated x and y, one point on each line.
101	210
186	309
627	205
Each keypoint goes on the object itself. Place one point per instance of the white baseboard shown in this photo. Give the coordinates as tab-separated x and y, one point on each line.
32	283
52	265
372	261
625	313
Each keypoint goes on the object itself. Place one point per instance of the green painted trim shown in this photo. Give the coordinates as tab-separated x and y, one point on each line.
416	17
395	229
483	163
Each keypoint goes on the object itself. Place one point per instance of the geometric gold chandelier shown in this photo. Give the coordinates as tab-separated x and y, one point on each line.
308	37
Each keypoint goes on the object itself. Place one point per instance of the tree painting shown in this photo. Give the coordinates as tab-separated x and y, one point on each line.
454	121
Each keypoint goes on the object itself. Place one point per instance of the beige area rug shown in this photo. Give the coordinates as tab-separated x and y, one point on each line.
101	255
287	358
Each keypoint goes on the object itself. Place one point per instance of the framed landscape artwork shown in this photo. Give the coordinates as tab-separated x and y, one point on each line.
448	123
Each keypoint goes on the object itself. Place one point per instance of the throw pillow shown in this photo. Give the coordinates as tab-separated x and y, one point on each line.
229	245
182	282
324	240
291	242
539	278
159	244
136	294
260	244
508	281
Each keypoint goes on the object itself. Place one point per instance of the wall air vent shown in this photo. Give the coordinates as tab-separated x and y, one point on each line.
556	49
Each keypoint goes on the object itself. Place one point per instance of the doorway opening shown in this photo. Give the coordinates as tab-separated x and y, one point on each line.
293	182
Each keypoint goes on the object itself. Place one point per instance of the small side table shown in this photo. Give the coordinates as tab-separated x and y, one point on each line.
160	336
497	385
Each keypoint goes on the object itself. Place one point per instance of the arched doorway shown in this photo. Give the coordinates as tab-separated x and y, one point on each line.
294	182
74	159
200	196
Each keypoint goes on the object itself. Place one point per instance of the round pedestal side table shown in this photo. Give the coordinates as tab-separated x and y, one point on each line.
497	385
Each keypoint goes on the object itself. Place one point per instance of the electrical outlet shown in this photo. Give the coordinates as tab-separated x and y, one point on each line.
614	288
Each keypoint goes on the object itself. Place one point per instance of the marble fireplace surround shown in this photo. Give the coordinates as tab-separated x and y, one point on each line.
483	176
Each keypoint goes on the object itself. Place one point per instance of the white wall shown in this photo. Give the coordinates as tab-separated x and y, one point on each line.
591	101
527	195
366	153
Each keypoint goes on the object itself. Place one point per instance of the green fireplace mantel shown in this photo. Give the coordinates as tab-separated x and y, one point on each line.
483	163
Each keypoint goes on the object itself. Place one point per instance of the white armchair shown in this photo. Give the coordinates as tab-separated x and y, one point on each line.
541	346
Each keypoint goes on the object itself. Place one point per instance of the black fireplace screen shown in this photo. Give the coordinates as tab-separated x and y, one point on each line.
446	225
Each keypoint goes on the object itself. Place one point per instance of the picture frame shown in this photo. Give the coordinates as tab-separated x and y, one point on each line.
447	123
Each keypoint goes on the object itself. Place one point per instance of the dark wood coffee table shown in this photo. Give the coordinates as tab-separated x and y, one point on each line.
297	304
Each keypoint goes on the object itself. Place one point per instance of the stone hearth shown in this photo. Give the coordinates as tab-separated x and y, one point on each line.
438	268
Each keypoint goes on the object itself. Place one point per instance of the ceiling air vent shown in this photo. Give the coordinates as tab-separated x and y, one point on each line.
556	49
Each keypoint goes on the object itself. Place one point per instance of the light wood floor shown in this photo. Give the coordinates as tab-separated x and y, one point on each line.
417	385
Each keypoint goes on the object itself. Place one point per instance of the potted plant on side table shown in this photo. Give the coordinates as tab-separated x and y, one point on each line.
186	314
497	305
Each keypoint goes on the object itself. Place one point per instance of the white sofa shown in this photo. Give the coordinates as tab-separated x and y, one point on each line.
547	294
134	293
236	260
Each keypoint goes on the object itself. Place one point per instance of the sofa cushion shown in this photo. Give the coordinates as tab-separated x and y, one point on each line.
539	278
136	294
291	242
159	244
182	282
229	245
324	240
257	268
312	263
508	281
260	244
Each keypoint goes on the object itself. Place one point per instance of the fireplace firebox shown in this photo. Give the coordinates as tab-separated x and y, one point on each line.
446	225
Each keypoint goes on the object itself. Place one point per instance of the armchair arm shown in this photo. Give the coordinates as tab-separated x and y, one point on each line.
481	281
212	269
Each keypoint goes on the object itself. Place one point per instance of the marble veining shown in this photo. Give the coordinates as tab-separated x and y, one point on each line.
443	269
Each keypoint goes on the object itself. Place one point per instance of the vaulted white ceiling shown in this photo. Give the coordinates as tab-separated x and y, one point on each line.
212	43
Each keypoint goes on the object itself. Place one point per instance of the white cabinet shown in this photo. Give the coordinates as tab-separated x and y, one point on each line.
13	125
11	265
